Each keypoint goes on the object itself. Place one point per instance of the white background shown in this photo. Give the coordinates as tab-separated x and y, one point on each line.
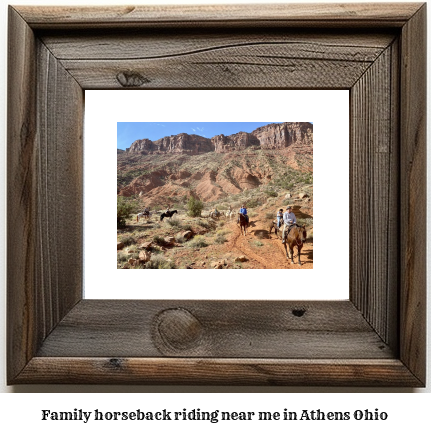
23	410
329	278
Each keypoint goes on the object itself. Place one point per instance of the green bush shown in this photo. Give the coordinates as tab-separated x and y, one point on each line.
203	224
271	193
194	207
174	223
220	239
158	262
159	240
124	209
197	242
253	203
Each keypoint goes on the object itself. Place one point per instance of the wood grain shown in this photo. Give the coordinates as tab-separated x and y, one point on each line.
59	183
45	105
413	194
373	207
376	338
254	15
21	197
241	329
193	59
329	372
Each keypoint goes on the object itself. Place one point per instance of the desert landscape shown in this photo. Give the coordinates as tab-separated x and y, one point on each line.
206	180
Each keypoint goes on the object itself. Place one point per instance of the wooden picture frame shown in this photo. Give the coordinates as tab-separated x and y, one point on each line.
376	338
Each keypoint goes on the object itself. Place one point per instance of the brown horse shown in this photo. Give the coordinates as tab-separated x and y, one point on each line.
297	237
243	224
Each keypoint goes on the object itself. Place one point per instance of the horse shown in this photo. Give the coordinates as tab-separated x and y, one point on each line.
229	214
144	214
243	224
297	237
214	214
168	214
278	232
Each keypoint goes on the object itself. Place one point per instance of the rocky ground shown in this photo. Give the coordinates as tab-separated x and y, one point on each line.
202	243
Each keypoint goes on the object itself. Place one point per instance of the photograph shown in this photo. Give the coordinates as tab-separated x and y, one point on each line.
214	195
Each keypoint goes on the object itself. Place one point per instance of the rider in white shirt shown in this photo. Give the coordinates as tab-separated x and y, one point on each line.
289	220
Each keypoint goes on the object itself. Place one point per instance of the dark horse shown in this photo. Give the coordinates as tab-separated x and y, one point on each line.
243	223
297	237
168	214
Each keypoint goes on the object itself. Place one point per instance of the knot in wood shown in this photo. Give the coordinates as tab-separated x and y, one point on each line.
178	328
131	79
298	312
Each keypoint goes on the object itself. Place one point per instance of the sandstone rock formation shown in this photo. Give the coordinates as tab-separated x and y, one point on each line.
176	167
144	146
181	143
275	136
278	136
238	141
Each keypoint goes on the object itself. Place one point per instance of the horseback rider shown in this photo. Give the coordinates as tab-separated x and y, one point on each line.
289	220
279	218
243	211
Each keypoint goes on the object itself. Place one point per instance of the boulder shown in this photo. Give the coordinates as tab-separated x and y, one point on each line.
241	258
120	245
169	240
186	234
145	245
303	195
144	256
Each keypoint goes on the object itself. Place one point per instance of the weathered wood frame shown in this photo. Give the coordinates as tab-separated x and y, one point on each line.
377	338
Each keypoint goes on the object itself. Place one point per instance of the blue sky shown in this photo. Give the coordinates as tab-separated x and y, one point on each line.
127	132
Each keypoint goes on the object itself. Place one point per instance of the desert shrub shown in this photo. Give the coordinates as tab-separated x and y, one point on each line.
180	238
124	209
159	262
127	240
173	222
159	240
220	239
258	243
203	223
269	216
271	193
252	203
194	207
197	242
222	232
122	257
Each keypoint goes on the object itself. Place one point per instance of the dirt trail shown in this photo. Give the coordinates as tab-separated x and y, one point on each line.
263	250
